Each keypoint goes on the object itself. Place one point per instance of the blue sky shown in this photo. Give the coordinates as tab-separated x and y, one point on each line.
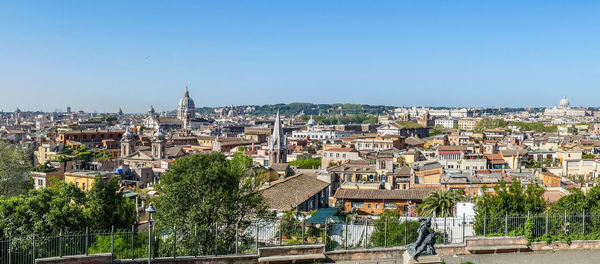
102	55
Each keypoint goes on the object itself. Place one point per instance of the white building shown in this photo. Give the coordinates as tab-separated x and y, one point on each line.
564	110
446	123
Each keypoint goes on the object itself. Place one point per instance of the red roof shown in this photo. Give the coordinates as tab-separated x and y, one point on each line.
340	149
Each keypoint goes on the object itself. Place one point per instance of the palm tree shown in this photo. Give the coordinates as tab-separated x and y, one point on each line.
439	202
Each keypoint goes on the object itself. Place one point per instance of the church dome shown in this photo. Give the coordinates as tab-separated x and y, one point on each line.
127	133
564	103
311	122
158	135
186	101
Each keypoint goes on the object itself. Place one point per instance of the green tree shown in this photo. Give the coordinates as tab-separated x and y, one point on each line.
510	199
206	191
106	206
14	170
398	232
440	202
488	123
306	163
43	211
436	130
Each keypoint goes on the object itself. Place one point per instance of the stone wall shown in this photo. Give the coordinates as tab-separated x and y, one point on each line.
575	245
80	259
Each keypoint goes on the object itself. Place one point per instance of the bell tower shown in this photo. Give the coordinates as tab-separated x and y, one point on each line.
127	143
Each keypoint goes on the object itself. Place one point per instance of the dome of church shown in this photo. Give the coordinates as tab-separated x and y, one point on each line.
127	133
186	101
564	103
159	135
311	122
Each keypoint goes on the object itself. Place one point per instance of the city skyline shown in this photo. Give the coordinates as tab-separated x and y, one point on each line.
104	55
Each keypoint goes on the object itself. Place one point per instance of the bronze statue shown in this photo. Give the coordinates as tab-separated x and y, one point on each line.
425	241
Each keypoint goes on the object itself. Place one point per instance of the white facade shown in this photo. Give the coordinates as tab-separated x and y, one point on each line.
446	123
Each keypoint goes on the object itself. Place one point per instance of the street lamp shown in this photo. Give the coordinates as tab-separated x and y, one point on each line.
150	210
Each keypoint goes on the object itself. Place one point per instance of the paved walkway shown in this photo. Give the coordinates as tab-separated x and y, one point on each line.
567	257
559	257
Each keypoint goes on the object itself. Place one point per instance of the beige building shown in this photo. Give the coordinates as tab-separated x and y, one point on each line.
467	124
338	155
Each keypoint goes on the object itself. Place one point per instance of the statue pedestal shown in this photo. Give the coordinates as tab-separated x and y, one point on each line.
408	259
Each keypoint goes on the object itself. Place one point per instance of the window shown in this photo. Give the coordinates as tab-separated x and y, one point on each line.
344	155
83	186
377	206
77	184
383	178
390	205
358	204
40	182
337	155
369	206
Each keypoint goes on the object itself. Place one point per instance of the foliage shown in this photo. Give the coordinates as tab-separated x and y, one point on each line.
535	126
318	109
122	246
436	130
306	163
217	192
44	168
106	206
588	156
577	201
63	206
488	123
508	200
440	202
397	232
14	169
43	211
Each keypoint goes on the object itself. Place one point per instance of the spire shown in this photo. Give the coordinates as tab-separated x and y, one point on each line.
187	93
277	138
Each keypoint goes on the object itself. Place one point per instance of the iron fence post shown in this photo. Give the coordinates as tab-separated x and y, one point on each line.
196	240
132	241
565	223
484	223
60	244
257	229
33	253
365	237
385	233
464	222
405	229
546	222
346	234
325	238
174	242
86	240
112	240
302	235
445	232
583	222
506	224
9	249
236	238
280	230
216	240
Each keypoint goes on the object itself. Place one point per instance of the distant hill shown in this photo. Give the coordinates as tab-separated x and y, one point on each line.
309	109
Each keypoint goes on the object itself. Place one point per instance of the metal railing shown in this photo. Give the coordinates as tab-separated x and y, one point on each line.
211	240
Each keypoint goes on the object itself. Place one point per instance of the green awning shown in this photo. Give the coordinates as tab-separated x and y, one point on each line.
130	194
321	215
